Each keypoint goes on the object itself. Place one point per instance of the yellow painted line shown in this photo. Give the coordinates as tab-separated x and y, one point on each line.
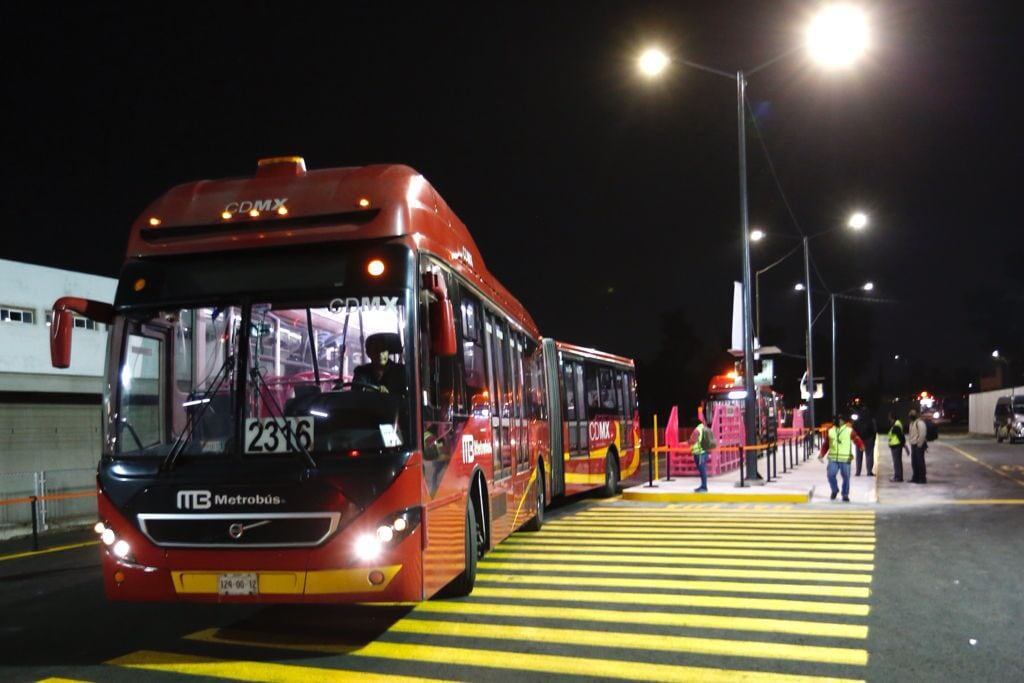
974	459
669	513
854	609
989	501
717	497
678	620
557	555
626	539
603	546
681	585
242	670
540	663
765	574
718	521
765	540
55	549
639	641
717	530
54	679
792	510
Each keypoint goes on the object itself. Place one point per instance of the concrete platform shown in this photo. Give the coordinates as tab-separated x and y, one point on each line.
805	484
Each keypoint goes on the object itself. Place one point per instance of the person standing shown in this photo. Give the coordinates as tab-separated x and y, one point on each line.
867	431
897	444
838	446
701	443
918	438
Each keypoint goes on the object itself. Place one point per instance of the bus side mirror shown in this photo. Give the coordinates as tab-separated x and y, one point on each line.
63	323
442	317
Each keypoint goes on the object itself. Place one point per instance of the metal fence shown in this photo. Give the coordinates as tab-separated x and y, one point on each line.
51	513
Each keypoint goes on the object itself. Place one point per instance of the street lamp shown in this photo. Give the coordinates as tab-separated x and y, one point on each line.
838	36
799	287
858	220
652	62
756	235
835	38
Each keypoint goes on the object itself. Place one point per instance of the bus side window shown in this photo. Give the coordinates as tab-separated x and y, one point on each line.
593	389
536	405
473	358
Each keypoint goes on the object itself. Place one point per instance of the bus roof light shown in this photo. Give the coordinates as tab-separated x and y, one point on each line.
154	221
375	267
364	203
226	215
255	213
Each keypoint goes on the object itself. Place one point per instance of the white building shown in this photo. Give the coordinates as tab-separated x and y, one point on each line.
49	418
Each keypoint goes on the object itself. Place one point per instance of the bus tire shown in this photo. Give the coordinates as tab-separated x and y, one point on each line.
462	585
611	476
537	521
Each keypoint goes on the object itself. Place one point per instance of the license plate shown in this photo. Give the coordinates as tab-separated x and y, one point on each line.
238	584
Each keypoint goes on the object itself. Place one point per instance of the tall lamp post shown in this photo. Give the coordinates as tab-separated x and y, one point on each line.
866	287
835	38
857	221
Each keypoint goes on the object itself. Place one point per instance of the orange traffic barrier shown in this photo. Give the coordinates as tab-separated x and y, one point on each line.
32	500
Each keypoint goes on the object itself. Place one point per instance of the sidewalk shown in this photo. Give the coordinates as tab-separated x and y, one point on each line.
804	484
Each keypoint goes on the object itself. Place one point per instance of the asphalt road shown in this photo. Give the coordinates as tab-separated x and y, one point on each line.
924	586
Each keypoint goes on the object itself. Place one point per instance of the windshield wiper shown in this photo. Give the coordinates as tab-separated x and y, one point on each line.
194	418
289	437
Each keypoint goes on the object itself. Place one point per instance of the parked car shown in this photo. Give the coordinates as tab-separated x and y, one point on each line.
1008	421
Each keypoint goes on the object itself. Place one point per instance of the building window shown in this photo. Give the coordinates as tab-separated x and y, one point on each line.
10	314
79	322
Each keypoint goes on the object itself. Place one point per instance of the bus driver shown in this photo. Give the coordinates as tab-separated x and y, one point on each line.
380	372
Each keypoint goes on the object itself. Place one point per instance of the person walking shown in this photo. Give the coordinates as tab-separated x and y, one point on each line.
897	444
838	446
918	438
868	431
701	443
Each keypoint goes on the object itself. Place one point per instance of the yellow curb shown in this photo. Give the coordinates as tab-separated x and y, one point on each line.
718	497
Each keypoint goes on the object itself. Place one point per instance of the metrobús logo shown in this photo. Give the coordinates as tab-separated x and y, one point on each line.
204	500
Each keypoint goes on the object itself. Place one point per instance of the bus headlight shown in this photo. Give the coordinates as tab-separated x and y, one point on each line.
107	536
100	527
390	532
122	549
368	547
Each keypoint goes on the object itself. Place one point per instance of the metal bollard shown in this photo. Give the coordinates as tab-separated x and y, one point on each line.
743	464
35	523
785	463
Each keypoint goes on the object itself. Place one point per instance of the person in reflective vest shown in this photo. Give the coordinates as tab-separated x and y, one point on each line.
701	442
897	444
838	446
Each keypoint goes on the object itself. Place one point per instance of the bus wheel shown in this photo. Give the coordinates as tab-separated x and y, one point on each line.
611	477
538	519
463	583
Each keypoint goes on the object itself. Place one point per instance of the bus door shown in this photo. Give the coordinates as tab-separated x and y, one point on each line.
498	358
576	423
555	390
520	439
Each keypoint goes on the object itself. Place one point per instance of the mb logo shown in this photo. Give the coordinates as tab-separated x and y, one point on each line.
194	500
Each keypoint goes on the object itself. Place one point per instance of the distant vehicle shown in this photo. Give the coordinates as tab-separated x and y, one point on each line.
1007	423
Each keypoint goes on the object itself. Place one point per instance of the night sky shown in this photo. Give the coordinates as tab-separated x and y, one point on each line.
600	200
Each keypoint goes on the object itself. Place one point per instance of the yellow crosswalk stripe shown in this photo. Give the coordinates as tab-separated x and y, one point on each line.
639	641
671	548
639	557
725	534
678	584
679	620
712	541
760	532
540	663
674	600
717	523
242	670
668	512
611	568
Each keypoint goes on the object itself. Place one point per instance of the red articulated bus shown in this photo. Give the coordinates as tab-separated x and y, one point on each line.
316	392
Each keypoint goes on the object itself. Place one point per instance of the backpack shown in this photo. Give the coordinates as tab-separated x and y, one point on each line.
931	431
707	439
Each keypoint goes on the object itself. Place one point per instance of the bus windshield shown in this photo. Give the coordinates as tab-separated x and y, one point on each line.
325	377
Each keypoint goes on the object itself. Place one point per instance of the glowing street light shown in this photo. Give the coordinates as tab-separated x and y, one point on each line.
995	354
756	235
799	287
652	62
868	286
838	36
858	220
